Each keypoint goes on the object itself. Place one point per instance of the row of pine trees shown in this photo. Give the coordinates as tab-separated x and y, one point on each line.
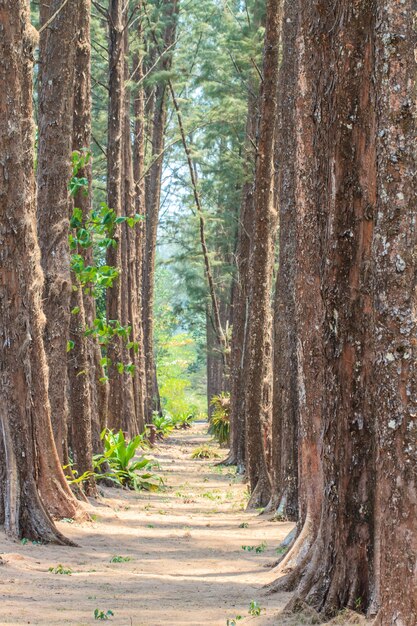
310	310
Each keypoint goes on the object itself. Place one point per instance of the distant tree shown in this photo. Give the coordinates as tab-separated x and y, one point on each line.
161	54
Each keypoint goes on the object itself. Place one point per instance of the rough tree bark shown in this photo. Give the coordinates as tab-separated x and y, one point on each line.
341	41
238	351
153	195
395	376
139	242
130	313
82	140
25	428
333	556
116	414
54	157
54	167
285	388
258	384
82	396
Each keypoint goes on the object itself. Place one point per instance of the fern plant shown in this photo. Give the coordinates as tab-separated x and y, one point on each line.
220	418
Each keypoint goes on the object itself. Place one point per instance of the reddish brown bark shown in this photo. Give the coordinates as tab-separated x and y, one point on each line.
82	141
395	376
285	402
308	315
259	380
130	313
54	157
26	440
82	394
356	193
240	322
115	417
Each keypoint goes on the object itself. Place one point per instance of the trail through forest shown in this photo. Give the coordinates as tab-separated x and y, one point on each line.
186	566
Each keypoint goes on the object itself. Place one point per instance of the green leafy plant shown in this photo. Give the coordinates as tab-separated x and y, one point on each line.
204	452
59	569
164	424
255	609
97	230
123	469
120	559
244	525
103	615
233	621
220	418
258	549
184	420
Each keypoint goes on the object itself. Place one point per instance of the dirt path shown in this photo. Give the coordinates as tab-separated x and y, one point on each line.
186	562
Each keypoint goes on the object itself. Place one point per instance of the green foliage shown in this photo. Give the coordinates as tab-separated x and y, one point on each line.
255	609
59	569
166	423
220	418
123	469
163	423
120	559
233	621
257	549
97	231
103	615
204	452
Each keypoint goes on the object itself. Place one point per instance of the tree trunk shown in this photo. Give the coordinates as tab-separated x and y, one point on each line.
81	383
114	200
82	141
25	427
139	241
285	399
54	158
394	380
259	382
153	195
134	412
240	320
308	318
336	198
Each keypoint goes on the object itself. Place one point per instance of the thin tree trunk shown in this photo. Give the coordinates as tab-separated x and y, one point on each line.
239	335
139	241
134	411
153	196
82	141
81	383
25	427
285	400
114	200
259	381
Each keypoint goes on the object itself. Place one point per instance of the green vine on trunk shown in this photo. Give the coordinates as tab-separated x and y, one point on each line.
96	231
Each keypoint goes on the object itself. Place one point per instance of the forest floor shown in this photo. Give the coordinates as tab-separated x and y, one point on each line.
184	544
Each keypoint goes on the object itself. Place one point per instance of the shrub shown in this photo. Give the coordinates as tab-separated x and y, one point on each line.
204	452
164	424
120	466
220	418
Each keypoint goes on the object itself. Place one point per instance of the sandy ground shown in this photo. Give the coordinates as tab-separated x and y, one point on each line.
186	567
